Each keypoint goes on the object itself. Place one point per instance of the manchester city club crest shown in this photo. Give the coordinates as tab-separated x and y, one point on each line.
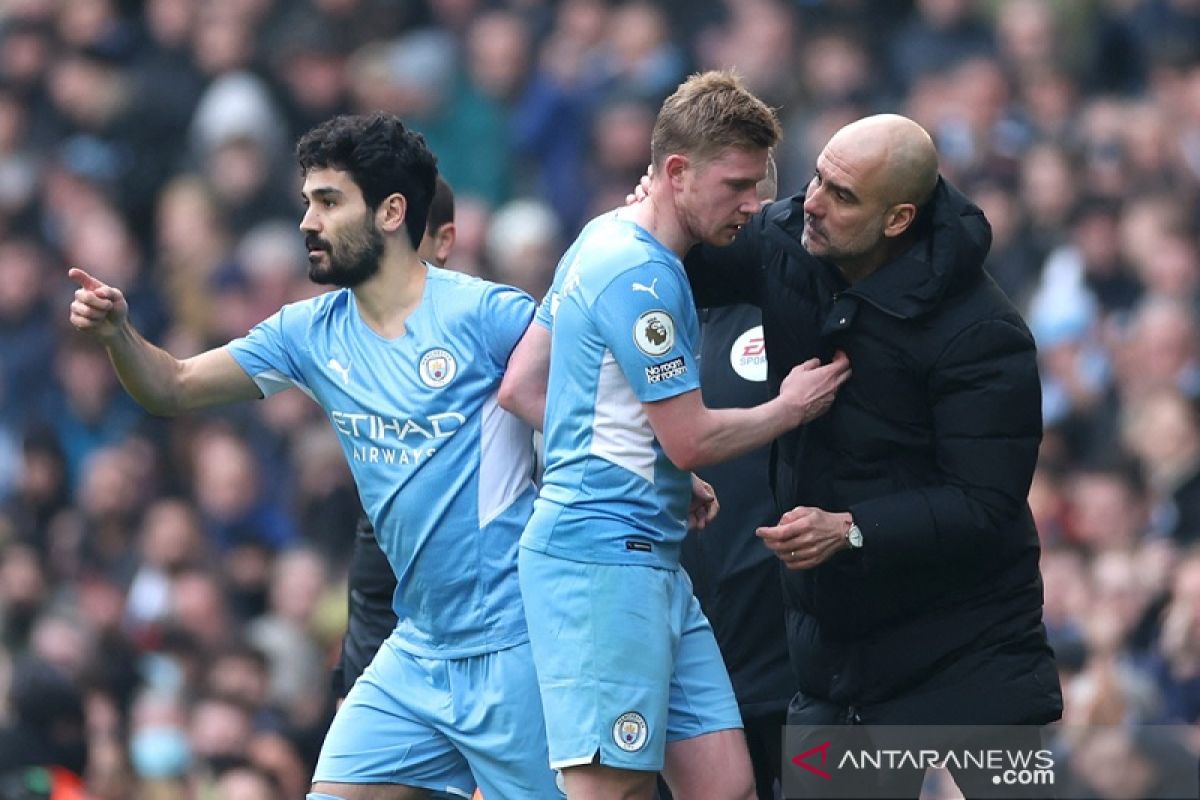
630	731
438	368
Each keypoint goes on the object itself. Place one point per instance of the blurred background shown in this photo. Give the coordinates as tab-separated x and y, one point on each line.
172	593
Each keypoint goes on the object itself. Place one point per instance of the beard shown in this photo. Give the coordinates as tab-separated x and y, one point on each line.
352	257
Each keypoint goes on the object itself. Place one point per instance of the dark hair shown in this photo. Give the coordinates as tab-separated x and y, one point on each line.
441	209
382	157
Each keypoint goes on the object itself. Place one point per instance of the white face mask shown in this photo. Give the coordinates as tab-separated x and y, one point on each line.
160	752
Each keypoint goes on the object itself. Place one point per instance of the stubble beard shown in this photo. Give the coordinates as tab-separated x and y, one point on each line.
352	259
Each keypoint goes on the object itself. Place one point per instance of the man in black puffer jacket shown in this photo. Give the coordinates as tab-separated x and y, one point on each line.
912	559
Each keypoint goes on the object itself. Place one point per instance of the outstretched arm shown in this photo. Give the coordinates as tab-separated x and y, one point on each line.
161	383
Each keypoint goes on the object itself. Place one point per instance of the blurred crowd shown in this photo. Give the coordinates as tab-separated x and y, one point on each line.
172	593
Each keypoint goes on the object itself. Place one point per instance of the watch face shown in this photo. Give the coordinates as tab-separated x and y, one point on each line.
855	536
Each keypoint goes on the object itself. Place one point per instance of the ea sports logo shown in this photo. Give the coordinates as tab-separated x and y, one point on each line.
748	356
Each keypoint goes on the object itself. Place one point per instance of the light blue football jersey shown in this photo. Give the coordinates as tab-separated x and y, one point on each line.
443	472
624	331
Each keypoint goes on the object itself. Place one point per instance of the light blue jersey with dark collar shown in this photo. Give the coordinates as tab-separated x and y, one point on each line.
443	472
624	331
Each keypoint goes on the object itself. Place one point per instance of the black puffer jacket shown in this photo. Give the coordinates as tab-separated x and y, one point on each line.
931	446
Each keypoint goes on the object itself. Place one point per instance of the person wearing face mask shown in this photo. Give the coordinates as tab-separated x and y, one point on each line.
159	750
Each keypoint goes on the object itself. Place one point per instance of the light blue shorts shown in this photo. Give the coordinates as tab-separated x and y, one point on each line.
626	661
448	725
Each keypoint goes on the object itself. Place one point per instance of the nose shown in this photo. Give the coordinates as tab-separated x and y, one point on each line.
308	222
752	203
812	201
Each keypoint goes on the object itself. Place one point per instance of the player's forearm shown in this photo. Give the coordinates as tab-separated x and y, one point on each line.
149	374
525	400
725	433
523	388
532	410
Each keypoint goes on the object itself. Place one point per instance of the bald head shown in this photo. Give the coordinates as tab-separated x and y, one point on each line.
871	181
898	151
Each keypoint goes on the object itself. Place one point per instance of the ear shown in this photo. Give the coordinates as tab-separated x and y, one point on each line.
391	213
674	166
444	242
898	219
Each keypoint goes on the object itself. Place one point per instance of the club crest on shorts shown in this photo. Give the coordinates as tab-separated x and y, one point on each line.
630	732
654	333
437	368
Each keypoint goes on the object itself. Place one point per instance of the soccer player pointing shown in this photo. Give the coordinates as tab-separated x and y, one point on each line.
406	360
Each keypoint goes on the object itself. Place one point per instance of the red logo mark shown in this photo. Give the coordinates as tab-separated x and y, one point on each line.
754	347
823	749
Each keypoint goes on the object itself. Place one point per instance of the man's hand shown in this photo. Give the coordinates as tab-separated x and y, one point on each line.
704	504
806	537
809	389
642	190
98	309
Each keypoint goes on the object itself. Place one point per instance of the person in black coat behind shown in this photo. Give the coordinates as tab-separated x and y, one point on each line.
912	582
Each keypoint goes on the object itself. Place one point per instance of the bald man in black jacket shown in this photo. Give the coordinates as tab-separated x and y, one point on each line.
912	581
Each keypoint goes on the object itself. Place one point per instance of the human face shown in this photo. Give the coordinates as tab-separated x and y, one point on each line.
344	246
844	212
436	244
720	195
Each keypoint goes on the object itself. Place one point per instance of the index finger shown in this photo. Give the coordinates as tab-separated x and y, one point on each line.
84	279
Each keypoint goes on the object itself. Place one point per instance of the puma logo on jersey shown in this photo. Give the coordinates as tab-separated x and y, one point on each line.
650	290
336	366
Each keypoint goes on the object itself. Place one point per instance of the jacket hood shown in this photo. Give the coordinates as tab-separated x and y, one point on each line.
952	242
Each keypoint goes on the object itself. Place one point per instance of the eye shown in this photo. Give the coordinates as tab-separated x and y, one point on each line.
328	203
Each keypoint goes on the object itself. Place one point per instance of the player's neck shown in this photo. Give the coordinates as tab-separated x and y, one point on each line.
386	300
659	216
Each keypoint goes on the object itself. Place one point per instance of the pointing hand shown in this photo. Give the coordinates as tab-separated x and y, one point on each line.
98	309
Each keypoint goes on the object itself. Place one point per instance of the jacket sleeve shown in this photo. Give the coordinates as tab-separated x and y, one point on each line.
723	276
987	427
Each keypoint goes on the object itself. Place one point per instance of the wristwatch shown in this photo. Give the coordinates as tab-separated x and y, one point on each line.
854	536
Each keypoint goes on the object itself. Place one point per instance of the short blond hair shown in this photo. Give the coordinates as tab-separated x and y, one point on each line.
708	113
